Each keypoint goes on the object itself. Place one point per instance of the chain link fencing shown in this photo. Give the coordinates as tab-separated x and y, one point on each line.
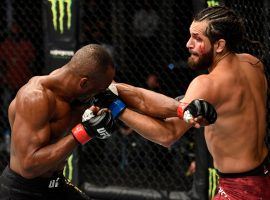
21	56
147	40
149	51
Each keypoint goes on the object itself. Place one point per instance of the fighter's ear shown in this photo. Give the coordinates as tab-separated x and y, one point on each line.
84	82
220	45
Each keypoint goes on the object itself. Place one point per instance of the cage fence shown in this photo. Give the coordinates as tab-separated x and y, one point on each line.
147	41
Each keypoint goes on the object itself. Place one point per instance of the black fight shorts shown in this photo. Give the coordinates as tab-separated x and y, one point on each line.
15	187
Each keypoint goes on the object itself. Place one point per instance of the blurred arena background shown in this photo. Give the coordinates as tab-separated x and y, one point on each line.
147	40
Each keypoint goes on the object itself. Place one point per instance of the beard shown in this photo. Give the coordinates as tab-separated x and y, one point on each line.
204	61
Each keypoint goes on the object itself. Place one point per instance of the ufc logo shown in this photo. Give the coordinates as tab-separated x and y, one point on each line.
222	193
53	183
103	133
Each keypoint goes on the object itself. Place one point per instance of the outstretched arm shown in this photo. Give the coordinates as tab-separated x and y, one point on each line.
163	132
158	105
147	102
153	105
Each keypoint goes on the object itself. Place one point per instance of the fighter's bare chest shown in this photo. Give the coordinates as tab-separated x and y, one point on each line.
60	126
63	120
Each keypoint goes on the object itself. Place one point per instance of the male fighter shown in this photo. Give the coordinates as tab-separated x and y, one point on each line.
43	111
236	86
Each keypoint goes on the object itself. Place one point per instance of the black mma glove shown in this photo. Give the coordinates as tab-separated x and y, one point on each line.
110	99
100	126
196	108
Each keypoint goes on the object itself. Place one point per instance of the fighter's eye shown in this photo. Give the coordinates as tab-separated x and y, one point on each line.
198	38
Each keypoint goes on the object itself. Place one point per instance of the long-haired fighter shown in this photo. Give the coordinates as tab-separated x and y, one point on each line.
236	86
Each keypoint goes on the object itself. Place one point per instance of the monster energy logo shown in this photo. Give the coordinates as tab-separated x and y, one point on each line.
59	9
68	170
213	181
212	3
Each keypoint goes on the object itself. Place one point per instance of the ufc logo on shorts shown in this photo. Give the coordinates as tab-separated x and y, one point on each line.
103	133
221	192
53	183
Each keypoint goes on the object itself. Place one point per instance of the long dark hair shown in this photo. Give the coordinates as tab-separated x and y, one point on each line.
223	24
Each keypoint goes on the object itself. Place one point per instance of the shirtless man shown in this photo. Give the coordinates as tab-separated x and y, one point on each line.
236	86
41	118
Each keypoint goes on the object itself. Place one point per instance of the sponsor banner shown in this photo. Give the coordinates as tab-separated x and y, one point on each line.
60	32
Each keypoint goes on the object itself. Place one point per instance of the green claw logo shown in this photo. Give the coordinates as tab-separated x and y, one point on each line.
64	7
212	3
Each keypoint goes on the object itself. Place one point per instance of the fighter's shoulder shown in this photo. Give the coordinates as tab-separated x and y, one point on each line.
247	56
37	99
254	61
201	87
204	81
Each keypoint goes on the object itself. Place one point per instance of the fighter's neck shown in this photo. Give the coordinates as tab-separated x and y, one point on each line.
61	82
218	61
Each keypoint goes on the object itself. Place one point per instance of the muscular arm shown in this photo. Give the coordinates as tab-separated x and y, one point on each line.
158	105
147	102
163	132
31	136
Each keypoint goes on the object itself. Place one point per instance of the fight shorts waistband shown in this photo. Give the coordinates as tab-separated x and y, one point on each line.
262	170
12	179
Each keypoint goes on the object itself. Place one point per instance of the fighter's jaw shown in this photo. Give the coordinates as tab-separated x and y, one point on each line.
193	59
